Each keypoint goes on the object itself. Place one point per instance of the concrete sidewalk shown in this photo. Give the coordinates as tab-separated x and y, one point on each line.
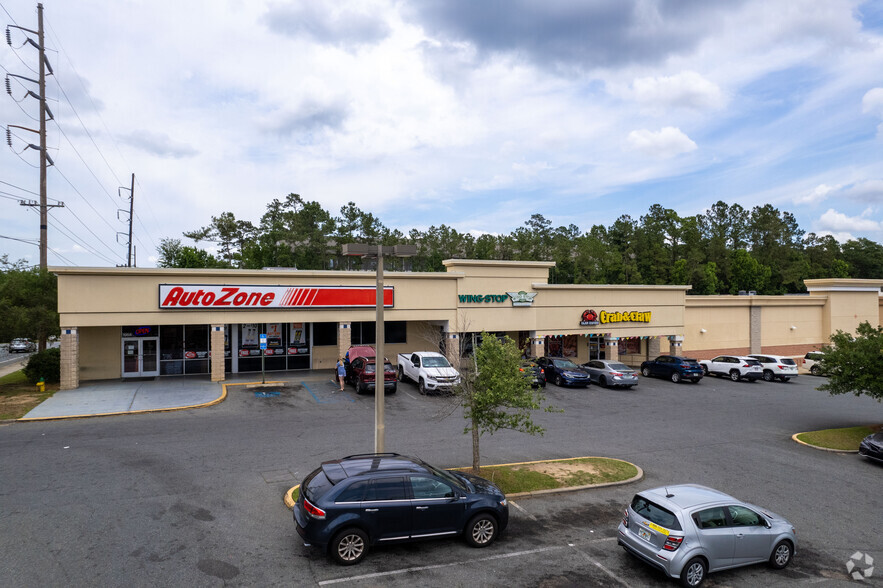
107	397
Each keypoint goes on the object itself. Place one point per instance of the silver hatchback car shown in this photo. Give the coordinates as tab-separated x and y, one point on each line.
688	531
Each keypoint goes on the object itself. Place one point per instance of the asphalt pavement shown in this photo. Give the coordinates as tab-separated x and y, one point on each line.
194	497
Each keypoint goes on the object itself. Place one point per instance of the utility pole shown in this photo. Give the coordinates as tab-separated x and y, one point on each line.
131	215
45	160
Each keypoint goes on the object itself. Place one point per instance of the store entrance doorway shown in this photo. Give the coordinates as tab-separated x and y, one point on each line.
139	357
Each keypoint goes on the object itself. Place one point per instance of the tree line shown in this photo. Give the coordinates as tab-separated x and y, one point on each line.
724	250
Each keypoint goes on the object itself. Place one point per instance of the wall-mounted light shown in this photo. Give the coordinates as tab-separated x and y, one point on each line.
702	331
793	328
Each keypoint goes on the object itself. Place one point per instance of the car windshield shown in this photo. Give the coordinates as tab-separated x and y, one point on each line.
448	477
565	364
619	367
435	362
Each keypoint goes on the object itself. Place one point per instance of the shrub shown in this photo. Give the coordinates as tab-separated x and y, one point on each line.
46	365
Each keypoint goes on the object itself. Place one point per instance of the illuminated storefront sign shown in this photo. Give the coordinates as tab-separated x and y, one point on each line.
521	298
602	317
241	297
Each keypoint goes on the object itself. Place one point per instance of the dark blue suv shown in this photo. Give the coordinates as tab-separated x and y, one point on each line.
349	504
673	366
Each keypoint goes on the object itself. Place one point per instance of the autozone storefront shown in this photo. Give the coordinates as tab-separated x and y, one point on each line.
147	322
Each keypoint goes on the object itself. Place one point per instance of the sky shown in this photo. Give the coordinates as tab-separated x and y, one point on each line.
473	114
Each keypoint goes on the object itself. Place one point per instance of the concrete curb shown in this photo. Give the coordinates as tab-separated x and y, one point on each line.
290	503
794	438
217	400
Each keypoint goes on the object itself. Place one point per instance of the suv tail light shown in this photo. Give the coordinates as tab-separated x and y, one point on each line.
625	518
672	543
313	511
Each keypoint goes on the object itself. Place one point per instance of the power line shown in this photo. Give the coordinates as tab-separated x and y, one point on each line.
20	188
93	210
29	241
69	233
58	126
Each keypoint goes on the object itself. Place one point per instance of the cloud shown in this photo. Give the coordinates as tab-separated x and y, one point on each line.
687	89
603	33
309	118
818	194
340	23
867	191
668	142
158	144
872	102
836	222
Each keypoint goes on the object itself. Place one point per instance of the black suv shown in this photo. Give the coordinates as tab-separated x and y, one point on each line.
347	504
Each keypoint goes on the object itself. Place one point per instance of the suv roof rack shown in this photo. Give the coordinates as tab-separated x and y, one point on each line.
386	454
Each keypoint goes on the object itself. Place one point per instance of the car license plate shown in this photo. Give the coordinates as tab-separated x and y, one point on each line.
645	534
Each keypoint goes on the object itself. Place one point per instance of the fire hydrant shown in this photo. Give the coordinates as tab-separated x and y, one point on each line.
41	385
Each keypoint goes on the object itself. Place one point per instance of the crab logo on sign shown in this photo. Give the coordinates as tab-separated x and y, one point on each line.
590	317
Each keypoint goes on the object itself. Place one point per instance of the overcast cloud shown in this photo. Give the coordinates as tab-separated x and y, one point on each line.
472	114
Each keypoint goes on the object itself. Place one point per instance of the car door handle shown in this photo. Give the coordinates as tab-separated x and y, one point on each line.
422	508
372	509
738	535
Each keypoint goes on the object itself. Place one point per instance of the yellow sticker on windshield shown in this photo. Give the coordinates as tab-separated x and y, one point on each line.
657	528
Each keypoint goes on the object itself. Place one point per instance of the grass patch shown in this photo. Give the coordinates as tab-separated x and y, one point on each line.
295	492
563	473
18	396
846	439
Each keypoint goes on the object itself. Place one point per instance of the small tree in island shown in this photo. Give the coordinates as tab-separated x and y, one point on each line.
495	393
854	364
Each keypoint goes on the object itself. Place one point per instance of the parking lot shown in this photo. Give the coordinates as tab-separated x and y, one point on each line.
195	497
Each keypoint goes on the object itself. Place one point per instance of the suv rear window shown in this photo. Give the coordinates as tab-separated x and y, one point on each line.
788	361
655	513
316	485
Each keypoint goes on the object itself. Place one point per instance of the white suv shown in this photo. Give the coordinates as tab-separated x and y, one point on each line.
776	367
735	367
810	362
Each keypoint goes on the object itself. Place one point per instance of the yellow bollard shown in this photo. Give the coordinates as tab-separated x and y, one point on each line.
41	386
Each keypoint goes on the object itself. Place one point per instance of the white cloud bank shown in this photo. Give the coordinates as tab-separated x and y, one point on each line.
687	89
665	143
834	222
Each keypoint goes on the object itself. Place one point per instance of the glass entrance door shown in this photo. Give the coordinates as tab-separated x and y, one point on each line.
139	357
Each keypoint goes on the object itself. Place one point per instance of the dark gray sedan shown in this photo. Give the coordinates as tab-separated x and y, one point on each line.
607	372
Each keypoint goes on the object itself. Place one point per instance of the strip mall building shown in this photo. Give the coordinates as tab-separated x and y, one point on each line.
146	322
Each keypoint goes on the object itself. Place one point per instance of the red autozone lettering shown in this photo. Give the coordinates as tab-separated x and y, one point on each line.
243	297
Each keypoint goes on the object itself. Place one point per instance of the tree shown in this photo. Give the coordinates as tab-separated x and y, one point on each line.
28	303
173	254
496	395
855	364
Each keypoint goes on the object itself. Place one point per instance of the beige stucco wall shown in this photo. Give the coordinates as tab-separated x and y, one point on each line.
100	353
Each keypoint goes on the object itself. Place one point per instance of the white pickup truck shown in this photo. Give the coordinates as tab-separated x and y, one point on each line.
431	370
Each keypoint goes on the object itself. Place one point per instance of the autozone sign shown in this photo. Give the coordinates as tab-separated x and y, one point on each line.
241	297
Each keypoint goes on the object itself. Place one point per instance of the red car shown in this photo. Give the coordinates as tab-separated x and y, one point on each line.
361	373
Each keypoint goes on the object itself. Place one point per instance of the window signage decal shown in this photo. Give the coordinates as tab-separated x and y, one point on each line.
602	317
175	296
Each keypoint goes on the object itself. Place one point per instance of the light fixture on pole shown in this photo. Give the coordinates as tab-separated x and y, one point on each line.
378	251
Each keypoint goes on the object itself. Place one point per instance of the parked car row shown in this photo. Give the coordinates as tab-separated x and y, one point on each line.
346	506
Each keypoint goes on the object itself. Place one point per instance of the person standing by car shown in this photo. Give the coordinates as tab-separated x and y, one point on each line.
341	372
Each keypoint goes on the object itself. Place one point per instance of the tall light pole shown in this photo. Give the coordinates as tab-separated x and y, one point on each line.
379	251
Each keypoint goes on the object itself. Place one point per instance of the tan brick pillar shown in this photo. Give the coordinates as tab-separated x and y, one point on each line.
217	353
676	343
452	349
652	348
344	339
612	349
537	345
70	359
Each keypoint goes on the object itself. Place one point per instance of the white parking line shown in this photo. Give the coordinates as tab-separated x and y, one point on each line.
435	567
533	518
599	566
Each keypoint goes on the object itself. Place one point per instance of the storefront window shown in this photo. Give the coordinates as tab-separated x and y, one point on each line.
171	350
629	346
196	349
325	334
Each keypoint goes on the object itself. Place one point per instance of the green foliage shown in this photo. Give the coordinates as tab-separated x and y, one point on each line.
46	365
28	303
855	364
173	254
501	397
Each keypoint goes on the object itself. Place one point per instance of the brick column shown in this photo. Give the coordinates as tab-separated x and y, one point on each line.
537	345
652	348
676	343
612	351
452	349
344	339
217	353
70	359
